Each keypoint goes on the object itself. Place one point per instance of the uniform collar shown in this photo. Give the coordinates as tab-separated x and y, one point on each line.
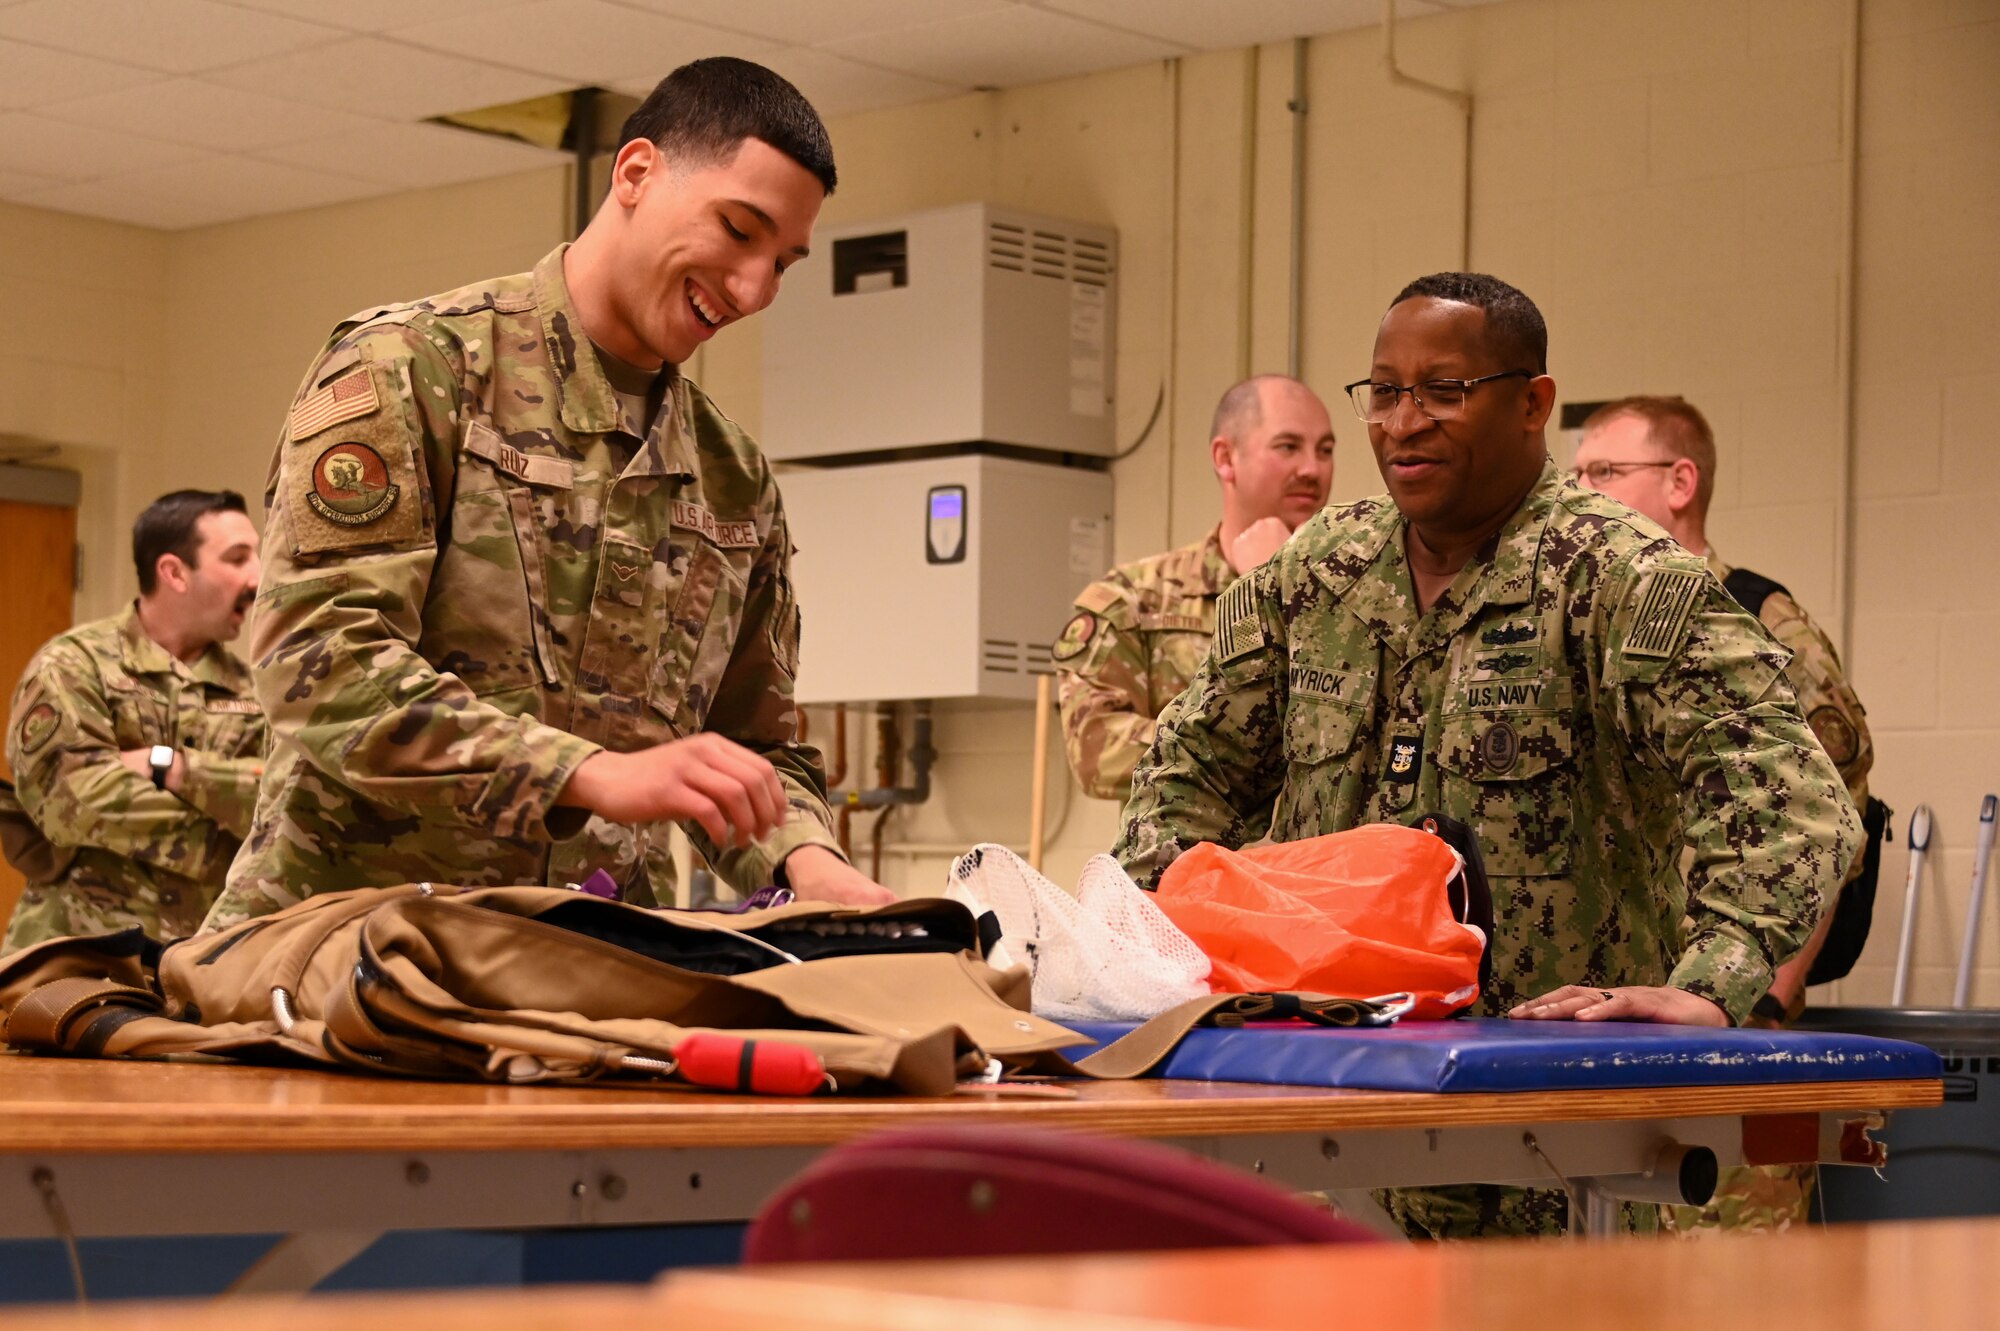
1368	569
588	404
143	656
1716	565
1216	573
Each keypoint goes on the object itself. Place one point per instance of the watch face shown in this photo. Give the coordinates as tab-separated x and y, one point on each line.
161	756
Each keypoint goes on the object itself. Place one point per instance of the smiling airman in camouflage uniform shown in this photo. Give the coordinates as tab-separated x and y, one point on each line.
504	580
528	593
1581	692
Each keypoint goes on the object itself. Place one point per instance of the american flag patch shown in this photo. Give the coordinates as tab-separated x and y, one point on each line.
345	398
1665	603
1240	630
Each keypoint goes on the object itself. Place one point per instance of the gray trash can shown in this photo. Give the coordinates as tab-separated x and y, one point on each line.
1943	1161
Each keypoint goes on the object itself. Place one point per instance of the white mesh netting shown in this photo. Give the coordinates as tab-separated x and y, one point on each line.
1104	953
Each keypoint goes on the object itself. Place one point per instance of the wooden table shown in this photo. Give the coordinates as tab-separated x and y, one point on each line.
1930	1274
159	1148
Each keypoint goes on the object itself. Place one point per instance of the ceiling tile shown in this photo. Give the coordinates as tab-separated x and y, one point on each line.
582	41
372	15
181	36
1004	48
1208	26
387	80
413	156
67	152
838	87
214	188
207	115
34	74
812	22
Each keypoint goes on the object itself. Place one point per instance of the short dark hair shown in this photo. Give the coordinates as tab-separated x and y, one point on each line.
705	109
1513	324
171	525
1676	425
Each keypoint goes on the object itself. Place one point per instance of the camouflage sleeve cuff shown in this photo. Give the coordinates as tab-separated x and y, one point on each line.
757	865
1728	972
223	788
554	756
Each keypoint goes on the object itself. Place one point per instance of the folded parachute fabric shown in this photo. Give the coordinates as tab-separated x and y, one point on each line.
1368	911
1103	953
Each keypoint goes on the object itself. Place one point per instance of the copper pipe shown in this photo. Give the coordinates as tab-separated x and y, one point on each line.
875	842
839	772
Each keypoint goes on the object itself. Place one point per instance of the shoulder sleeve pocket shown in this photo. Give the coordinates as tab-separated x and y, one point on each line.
349	474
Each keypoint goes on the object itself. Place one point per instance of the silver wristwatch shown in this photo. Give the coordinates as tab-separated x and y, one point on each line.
161	758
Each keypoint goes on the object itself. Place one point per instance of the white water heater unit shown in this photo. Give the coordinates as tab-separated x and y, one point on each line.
968	324
943	577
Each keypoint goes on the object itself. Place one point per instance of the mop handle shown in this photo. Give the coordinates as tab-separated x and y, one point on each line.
1963	994
1920	841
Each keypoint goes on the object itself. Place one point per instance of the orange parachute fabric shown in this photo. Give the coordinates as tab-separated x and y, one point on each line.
1352	914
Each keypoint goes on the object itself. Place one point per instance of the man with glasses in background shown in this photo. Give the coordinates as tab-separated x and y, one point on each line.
1493	643
1657	455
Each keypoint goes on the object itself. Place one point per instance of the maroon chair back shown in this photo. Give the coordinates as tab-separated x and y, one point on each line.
991	1192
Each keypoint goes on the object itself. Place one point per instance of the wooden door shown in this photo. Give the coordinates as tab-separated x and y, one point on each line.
37	587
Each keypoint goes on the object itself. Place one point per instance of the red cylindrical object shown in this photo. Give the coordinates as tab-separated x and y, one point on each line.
766	1067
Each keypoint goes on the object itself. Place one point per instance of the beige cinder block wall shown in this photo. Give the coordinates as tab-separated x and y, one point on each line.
1665	179
85	306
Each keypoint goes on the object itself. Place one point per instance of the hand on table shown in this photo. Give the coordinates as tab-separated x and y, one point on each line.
1631	1002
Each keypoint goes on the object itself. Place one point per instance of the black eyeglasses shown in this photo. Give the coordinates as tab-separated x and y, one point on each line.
1439	399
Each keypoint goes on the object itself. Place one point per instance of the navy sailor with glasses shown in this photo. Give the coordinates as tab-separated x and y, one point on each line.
1491	641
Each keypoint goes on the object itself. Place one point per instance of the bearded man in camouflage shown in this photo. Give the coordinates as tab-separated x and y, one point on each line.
1140	632
136	744
1493	642
1657	455
529	590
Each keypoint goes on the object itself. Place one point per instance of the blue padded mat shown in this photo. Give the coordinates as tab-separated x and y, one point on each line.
1494	1054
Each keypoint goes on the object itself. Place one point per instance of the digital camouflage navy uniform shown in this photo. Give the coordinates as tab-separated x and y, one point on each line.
1136	639
1770	1198
476	576
1584	694
114	851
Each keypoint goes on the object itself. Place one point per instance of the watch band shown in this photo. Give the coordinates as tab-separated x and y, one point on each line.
161	768
1768	1007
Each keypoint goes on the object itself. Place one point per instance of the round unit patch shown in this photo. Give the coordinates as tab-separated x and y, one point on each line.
38	726
1836	734
350	485
1499	747
1076	636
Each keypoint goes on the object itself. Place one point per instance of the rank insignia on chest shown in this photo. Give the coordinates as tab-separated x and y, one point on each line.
1406	764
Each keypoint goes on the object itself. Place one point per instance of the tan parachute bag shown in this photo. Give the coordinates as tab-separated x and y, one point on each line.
536	984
